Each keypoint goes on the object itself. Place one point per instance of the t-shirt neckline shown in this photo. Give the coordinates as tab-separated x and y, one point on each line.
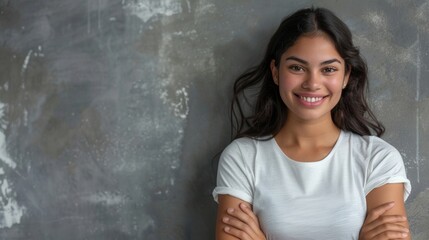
319	162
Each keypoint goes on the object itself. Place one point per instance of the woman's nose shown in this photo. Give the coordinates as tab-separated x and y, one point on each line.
312	82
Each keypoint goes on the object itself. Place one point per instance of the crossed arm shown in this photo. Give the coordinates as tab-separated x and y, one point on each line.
386	217
241	223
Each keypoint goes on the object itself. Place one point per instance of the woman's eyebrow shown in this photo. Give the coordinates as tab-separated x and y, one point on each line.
330	61
306	63
297	59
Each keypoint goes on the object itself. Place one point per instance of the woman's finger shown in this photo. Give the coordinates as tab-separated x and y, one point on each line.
391	230
237	224
249	212
390	235
245	220
385	227
237	233
377	212
243	216
384	220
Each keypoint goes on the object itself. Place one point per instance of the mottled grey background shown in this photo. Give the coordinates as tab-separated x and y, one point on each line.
112	111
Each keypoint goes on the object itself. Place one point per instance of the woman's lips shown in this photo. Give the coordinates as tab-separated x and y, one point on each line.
311	100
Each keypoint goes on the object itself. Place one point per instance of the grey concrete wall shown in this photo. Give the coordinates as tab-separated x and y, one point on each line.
112	111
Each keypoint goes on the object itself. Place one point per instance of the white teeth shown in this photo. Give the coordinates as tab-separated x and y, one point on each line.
311	99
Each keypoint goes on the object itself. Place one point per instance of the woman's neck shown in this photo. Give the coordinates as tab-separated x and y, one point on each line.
303	134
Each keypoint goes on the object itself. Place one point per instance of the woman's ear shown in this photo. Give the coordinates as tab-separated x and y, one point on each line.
347	77
274	72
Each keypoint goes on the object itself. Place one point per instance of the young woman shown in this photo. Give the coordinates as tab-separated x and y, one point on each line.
304	163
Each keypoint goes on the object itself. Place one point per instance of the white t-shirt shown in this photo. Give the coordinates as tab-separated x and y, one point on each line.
309	200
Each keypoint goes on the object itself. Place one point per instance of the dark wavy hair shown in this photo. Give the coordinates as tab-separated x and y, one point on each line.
265	114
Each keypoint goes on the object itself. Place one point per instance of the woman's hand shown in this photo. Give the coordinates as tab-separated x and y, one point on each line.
243	224
383	227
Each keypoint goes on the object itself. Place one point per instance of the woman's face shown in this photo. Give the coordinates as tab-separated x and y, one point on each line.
311	76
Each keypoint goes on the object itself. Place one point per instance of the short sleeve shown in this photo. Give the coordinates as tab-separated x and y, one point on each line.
234	176
386	166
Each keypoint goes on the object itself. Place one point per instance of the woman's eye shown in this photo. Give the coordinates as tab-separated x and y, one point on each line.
329	70
296	68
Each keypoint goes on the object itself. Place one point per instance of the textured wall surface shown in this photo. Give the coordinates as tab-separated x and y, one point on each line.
112	111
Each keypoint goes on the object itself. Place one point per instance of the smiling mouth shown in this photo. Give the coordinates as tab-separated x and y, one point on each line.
310	99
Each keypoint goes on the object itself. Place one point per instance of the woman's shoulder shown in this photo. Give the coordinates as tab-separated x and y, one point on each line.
370	143
246	144
251	140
